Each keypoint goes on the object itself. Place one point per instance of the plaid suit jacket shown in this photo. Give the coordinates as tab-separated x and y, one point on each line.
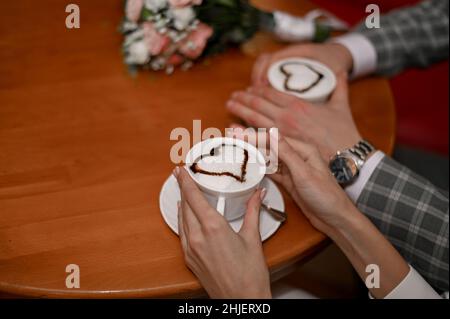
412	36
413	215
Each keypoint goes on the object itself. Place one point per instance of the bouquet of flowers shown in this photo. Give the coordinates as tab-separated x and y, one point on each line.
164	34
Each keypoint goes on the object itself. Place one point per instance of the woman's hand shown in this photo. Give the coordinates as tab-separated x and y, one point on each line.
330	127
228	264
334	55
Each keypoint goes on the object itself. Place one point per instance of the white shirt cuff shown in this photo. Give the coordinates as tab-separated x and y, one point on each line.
363	53
354	190
413	286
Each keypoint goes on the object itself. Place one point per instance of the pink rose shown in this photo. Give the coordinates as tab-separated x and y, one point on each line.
133	9
183	3
155	41
175	59
195	42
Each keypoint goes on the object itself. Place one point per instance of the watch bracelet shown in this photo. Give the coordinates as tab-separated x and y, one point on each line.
362	149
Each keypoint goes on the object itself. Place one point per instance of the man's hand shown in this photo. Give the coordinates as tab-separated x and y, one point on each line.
228	264
334	55
330	126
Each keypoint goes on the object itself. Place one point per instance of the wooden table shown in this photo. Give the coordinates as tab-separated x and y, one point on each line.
84	151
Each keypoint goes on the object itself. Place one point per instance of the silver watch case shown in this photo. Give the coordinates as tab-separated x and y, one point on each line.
355	160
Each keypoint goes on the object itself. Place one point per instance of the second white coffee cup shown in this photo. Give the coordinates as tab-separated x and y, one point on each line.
317	80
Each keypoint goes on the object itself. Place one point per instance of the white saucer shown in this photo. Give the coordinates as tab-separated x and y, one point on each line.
268	225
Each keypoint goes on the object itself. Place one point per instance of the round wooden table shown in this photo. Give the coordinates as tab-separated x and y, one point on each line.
84	151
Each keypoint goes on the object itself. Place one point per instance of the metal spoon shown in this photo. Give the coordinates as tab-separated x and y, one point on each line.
279	215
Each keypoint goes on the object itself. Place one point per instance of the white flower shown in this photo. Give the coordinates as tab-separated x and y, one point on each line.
137	53
155	5
182	17
136	35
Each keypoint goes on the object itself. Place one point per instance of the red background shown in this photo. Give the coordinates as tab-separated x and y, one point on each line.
421	95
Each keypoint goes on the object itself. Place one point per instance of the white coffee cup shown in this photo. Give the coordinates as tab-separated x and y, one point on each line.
230	202
304	74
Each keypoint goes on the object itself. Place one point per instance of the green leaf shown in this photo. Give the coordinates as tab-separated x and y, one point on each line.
227	3
146	14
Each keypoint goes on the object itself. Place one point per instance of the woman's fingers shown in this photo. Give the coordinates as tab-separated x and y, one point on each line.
250	116
286	153
250	226
193	196
307	152
181	228
190	221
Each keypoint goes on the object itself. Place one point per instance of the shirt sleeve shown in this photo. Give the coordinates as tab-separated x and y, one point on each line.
363	53
355	189
413	286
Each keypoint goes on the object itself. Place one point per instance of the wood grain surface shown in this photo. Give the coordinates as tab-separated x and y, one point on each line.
84	151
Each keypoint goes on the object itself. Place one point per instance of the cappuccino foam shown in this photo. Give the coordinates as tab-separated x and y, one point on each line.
307	79
230	168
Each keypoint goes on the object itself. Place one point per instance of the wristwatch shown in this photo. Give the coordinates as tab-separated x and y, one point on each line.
345	165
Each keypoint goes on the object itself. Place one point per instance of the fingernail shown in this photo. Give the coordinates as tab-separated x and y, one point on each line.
179	204
176	171
262	195
230	103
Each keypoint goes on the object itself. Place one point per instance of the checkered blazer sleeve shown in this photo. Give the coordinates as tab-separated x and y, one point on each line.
413	36
413	215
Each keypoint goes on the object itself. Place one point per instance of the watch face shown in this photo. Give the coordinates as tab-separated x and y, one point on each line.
344	169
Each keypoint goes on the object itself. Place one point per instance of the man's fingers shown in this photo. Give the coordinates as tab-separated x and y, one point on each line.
251	117
250	226
278	98
249	135
259	74
193	196
258	103
237	126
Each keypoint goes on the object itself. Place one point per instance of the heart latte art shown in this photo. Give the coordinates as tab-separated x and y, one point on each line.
307	79
228	167
300	77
